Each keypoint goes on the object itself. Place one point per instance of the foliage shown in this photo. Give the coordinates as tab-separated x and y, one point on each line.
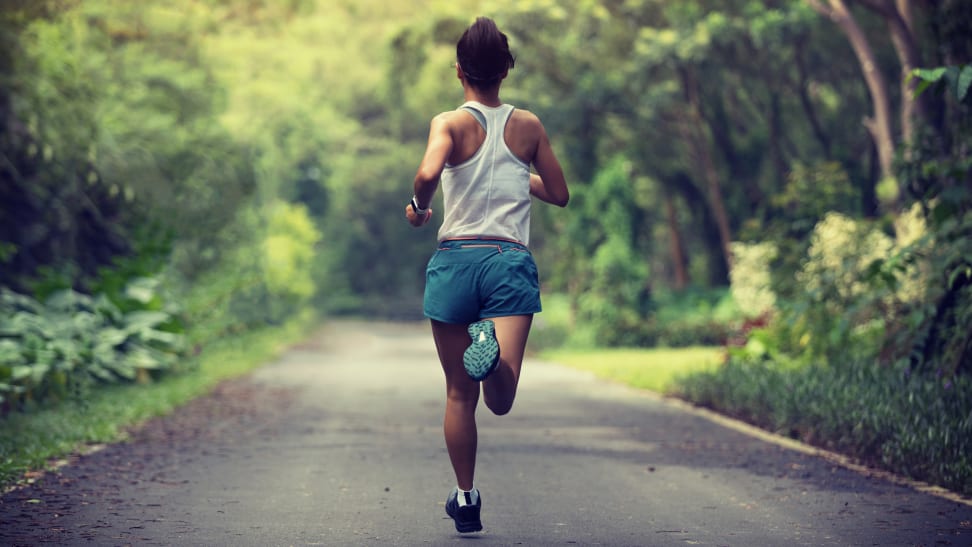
607	281
751	283
289	255
937	169
52	349
852	303
911	424
691	317
869	354
615	303
957	79
809	194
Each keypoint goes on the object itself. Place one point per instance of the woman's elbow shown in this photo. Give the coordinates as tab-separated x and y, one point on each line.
425	177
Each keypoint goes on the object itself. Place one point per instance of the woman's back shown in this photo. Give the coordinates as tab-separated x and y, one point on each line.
520	134
487	193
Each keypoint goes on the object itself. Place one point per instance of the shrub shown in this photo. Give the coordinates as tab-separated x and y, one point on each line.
854	290
911	424
289	258
614	303
750	279
54	349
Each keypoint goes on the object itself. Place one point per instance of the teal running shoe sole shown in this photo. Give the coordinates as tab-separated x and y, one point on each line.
482	355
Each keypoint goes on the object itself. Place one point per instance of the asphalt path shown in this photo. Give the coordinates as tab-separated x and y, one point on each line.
338	442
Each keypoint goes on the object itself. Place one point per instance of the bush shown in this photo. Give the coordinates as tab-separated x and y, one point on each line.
750	280
915	425
51	350
615	302
695	317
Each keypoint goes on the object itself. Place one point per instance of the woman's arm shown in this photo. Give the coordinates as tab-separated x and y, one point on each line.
548	184
427	177
538	190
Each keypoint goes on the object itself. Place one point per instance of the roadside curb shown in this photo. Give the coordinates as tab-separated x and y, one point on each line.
798	446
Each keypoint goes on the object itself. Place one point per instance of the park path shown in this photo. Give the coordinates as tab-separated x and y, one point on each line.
338	442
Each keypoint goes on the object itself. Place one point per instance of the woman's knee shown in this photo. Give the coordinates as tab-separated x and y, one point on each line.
463	397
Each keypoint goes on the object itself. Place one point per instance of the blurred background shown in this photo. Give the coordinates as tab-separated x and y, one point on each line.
787	180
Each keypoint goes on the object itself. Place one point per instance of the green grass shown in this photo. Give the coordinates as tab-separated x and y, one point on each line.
30	441
653	369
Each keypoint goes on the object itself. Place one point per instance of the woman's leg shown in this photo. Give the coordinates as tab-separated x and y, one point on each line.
462	392
462	396
499	388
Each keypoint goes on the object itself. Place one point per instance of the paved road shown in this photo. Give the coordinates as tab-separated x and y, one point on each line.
338	443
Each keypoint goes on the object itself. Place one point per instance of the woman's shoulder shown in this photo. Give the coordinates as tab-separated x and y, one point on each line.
451	118
523	115
449	122
525	121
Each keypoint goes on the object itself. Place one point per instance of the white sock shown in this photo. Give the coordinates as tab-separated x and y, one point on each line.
467	497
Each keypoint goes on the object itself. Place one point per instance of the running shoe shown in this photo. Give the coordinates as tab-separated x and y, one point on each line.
466	517
482	355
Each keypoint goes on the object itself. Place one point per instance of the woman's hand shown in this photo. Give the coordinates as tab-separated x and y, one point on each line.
415	219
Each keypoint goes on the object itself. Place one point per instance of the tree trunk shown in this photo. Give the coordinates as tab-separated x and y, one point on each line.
704	225
677	246
695	135
720	128
897	15
880	125
807	104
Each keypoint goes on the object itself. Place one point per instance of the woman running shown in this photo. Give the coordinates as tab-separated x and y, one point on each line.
482	286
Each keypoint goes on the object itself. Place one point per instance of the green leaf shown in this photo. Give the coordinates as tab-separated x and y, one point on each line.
111	337
124	370
45	357
959	273
84	321
9	352
964	81
101	373
167	339
930	75
142	290
12	300
22	323
138	320
142	358
19	372
68	300
104	354
38	372
106	308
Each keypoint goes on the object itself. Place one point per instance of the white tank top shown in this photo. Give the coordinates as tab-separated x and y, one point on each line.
487	195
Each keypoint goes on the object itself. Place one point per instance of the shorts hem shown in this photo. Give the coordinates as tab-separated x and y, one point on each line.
493	315
446	321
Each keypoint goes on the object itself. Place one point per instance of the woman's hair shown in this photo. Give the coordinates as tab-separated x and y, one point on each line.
484	54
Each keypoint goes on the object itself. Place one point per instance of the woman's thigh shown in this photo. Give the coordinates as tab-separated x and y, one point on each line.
451	341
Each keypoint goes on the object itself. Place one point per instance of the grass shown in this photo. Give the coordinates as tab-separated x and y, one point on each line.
31	441
653	369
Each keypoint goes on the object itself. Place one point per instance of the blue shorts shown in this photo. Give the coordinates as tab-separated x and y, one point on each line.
472	279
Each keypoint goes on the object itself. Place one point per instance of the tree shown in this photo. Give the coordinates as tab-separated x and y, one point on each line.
879	124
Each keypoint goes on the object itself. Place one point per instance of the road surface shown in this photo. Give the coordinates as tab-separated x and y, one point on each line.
338	442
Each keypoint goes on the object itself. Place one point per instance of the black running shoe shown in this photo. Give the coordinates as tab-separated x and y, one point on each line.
467	516
482	355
